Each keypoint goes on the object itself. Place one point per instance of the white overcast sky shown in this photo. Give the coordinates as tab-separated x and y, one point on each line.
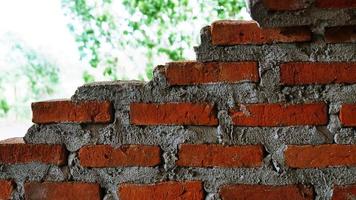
42	25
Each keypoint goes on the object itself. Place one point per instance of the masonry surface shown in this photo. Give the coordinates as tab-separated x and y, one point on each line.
267	111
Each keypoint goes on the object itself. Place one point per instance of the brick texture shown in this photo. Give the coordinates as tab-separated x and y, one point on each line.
335	3
254	192
211	155
341	34
348	115
248	32
61	191
192	190
285	5
130	155
26	153
321	156
347	192
188	73
173	114
68	111
280	114
300	73
6	188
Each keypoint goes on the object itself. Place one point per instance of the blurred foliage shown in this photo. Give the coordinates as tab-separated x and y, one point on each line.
33	76
148	26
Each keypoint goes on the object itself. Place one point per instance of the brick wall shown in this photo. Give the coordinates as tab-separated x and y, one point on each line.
266	112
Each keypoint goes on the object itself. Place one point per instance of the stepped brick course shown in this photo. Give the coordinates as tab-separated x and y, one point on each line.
64	190
202	155
190	73
320	156
302	73
248	32
192	190
67	111
267	111
173	114
280	114
107	156
27	153
252	192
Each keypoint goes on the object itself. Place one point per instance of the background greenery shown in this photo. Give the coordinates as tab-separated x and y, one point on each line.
156	29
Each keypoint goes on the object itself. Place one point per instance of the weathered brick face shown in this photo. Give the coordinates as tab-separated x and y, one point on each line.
191	73
304	73
192	190
243	192
27	153
286	5
67	111
331	4
63	190
6	188
107	156
200	155
280	114
320	156
267	111
173	114
248	32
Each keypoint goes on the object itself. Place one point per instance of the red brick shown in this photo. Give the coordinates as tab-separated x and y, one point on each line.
265	192
336	3
280	114
321	156
230	32
26	153
285	5
340	34
348	115
210	155
173	114
129	155
68	111
61	191
192	190
188	73
300	73
347	192
6	188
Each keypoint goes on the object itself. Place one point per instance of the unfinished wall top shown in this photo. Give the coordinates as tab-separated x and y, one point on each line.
317	13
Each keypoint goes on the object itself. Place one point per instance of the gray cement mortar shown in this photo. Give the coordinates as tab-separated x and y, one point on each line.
224	97
312	16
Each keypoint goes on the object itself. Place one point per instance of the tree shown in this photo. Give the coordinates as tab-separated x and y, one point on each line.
155	28
32	75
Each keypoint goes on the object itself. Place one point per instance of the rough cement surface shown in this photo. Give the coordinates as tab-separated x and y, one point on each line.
275	140
312	16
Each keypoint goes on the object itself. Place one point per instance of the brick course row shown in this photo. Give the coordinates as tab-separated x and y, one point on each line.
291	73
240	32
189	155
185	190
271	115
